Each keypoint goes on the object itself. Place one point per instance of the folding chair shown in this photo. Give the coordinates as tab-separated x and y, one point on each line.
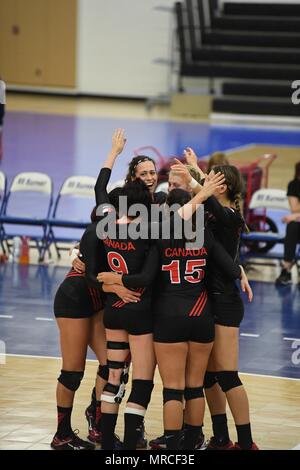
71	212
26	209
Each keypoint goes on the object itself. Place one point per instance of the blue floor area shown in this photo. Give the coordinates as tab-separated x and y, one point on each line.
65	145
27	292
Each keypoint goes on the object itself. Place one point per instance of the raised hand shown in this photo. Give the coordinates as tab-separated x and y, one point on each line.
182	170
192	159
118	141
211	184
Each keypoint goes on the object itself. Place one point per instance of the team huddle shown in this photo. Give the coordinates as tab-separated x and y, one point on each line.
167	300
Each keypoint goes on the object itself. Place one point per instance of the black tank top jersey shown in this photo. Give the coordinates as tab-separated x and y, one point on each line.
93	256
181	286
80	295
226	225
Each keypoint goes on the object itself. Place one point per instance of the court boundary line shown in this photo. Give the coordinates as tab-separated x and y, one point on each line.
95	360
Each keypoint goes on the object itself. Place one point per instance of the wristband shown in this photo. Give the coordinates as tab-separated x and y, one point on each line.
193	184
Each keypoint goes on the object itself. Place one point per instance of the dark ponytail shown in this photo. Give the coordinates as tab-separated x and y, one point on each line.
237	204
235	186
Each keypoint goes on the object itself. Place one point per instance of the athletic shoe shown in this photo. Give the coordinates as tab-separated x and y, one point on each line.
158	443
284	278
213	444
94	435
142	441
238	447
202	443
73	442
118	443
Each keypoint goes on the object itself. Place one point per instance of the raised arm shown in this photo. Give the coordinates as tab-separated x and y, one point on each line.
206	191
192	159
118	143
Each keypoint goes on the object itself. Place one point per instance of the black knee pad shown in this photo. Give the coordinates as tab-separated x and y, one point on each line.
172	394
120	365
71	380
141	392
192	393
228	379
117	345
103	372
210	379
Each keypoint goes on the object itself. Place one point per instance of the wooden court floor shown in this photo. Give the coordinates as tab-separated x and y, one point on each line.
28	409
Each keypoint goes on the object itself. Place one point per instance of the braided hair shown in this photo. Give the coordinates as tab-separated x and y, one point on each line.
134	163
235	186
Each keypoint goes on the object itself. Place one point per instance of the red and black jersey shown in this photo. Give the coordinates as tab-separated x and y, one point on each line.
127	256
181	286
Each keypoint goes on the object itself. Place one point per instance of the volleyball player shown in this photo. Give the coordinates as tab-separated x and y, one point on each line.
143	168
226	222
77	308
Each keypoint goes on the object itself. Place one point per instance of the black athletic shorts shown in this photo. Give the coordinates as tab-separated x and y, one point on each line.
227	309
172	327
136	319
74	299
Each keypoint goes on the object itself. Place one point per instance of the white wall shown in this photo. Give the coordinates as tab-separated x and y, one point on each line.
118	42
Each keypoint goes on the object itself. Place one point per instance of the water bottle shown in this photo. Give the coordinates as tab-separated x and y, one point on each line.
16	249
24	251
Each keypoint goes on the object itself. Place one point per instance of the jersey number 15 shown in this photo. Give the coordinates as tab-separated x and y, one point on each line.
193	272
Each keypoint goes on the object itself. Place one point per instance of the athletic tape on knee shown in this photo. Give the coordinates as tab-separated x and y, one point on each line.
118	393
117	345
141	392
118	390
70	379
103	372
228	379
135	411
170	394
108	399
193	393
210	379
